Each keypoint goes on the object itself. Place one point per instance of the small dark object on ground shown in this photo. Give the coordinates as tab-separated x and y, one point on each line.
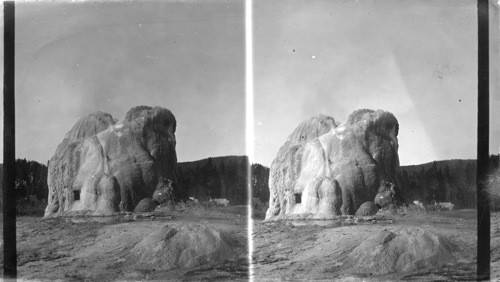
367	209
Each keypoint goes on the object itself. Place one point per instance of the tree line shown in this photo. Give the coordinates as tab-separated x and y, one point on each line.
444	181
260	183
439	181
213	178
31	179
222	177
226	177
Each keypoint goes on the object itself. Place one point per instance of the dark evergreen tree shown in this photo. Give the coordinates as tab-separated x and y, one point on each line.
31	179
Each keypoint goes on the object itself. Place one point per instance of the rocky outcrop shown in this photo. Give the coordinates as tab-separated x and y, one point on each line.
325	170
106	166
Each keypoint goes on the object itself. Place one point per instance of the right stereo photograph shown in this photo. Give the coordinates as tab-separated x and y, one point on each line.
366	117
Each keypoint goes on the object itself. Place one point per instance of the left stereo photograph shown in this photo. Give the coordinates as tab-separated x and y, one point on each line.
130	140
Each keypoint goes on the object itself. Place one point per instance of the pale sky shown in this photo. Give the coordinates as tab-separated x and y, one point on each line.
416	59
73	59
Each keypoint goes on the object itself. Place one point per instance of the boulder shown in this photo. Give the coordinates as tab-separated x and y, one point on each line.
367	209
106	166
146	205
403	250
325	169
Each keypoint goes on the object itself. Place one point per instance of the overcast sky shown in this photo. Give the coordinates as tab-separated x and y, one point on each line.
416	59
77	58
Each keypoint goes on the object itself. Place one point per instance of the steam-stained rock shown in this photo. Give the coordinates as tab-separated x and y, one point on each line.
164	191
388	194
107	166
325	170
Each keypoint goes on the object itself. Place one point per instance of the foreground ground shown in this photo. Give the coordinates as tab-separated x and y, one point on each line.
101	248
98	249
306	249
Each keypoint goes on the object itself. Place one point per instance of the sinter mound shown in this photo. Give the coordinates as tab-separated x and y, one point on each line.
326	170
105	166
400	251
189	245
